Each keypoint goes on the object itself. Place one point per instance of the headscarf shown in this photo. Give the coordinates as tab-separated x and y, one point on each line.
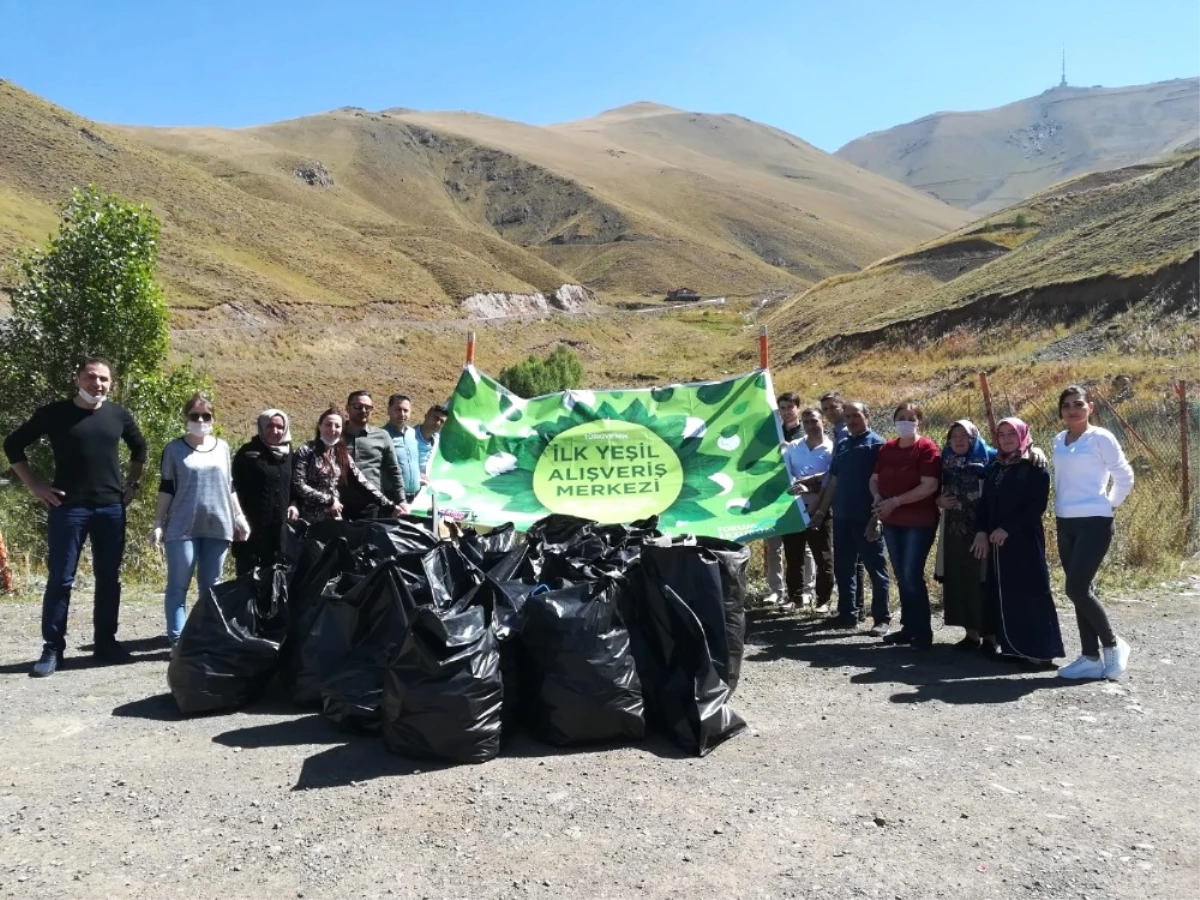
1024	442
284	447
977	456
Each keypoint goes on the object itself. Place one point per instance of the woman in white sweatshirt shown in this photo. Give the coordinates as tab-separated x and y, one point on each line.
1091	479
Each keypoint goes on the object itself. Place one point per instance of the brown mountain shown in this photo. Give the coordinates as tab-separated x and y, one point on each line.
984	161
423	209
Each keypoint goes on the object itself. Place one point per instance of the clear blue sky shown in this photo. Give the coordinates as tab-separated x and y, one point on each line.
827	71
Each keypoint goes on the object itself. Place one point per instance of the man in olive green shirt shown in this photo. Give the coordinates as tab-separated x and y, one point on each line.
372	451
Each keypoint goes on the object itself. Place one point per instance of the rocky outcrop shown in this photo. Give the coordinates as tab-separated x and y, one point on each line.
314	174
498	304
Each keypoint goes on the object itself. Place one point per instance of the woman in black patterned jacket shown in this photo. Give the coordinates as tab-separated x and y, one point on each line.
323	469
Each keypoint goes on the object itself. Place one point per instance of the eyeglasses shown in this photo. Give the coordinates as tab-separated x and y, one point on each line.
1074	404
361	407
200	417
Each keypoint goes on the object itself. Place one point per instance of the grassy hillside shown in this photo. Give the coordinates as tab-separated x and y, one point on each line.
984	161
351	208
1098	240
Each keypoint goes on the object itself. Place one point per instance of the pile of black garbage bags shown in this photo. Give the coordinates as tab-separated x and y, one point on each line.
580	634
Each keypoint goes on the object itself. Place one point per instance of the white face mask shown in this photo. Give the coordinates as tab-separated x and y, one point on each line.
200	429
90	399
330	443
906	429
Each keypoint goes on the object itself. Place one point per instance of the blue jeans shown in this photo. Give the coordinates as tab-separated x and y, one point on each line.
68	528
205	557
850	547
909	547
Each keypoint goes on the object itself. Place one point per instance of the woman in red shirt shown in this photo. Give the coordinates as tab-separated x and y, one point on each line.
907	474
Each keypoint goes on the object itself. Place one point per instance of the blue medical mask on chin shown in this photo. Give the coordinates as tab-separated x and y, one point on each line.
906	429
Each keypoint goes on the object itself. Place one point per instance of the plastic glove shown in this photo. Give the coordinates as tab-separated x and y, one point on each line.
156	536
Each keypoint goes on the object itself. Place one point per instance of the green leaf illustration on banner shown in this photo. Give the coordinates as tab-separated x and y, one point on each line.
704	458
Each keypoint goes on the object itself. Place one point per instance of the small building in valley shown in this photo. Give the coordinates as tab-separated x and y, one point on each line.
683	293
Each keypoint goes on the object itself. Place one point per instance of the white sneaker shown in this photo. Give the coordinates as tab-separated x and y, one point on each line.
772	599
1116	659
1083	667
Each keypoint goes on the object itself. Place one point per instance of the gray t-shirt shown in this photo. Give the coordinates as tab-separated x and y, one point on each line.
201	506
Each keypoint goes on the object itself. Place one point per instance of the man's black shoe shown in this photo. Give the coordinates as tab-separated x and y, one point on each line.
48	664
841	622
898	637
111	652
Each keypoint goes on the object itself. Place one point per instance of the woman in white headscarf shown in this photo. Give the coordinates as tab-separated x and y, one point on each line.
262	478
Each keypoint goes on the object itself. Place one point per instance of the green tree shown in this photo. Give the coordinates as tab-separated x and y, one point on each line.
92	291
531	377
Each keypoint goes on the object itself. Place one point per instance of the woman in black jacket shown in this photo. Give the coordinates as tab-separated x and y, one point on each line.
1009	534
262	478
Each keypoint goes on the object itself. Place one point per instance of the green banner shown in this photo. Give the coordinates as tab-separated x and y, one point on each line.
703	457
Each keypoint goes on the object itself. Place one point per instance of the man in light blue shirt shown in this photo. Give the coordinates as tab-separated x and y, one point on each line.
404	442
427	436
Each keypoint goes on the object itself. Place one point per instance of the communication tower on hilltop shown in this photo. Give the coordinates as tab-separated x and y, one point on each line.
1063	83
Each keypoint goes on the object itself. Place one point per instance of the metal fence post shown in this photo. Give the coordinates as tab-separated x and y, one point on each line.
1184	473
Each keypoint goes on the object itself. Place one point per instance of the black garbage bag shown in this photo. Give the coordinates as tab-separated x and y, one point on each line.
439	577
442	692
735	567
580	683
378	538
685	697
305	589
710	577
229	647
485	550
519	563
305	651
501	602
357	631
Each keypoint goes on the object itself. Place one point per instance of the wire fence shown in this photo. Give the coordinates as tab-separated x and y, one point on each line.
1158	431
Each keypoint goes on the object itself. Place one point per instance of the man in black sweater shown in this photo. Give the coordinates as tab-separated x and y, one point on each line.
86	499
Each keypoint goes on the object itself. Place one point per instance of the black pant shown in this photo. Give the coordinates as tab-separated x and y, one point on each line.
819	540
1082	546
68	528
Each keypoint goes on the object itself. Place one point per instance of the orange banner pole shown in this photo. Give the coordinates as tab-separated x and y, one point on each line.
470	348
764	353
6	576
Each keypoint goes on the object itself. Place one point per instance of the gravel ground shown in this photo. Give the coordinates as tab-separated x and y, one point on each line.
866	772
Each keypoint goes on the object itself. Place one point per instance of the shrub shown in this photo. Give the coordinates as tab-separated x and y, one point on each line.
91	291
532	377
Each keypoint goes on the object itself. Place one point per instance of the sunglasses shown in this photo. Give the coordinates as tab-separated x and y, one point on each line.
361	407
200	417
1074	404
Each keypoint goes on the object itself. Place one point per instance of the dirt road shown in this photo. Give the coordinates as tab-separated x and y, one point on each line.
867	772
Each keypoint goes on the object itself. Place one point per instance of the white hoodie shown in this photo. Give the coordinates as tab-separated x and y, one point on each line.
1082	470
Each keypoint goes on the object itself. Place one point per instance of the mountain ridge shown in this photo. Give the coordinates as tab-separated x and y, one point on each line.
984	160
351	207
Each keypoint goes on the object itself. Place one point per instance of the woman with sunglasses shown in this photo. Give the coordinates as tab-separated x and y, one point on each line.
1092	478
323	471
198	513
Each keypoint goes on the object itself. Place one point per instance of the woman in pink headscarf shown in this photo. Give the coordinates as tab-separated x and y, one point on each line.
1009	535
